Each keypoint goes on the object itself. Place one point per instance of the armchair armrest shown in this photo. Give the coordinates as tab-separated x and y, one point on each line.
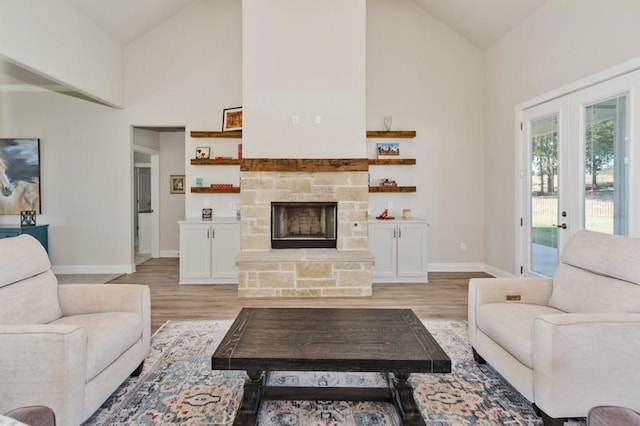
580	357
43	365
532	291
81	299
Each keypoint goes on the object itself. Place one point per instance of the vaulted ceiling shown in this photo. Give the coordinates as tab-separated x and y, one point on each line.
482	22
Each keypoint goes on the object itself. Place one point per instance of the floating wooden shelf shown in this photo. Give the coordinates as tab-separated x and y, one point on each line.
392	161
214	162
391	133
207	134
370	134
209	190
392	189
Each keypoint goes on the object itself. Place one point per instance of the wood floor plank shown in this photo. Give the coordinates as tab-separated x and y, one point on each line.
444	296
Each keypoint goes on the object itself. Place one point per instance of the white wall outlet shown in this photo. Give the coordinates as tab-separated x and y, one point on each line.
232	206
295	119
463	246
318	119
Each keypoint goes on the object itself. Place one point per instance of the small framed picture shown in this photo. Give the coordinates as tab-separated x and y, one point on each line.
176	184
207	214
199	182
388	150
232	119
203	152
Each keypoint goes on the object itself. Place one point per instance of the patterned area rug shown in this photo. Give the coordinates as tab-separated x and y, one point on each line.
177	386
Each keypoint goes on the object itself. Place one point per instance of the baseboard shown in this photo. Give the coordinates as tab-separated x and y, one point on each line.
456	267
498	273
94	269
169	253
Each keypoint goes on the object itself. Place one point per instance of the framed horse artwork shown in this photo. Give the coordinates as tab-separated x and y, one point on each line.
19	175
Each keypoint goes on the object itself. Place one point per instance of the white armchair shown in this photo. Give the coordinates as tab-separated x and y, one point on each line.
67	347
568	343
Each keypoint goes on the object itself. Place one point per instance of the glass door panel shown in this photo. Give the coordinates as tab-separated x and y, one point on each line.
605	148
543	143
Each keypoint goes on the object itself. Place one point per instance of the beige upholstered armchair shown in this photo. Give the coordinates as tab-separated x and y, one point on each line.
67	347
568	343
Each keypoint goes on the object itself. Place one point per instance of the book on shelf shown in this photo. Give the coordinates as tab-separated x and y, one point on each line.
221	185
388	149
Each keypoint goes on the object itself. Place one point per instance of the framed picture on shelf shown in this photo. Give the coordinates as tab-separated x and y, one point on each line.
203	152
232	119
176	184
388	149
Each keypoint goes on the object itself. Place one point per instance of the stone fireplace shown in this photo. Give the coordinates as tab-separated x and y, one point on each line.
312	189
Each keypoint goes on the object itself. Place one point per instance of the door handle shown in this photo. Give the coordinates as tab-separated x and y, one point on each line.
563	226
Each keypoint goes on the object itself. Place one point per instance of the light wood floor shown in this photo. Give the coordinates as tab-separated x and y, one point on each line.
445	296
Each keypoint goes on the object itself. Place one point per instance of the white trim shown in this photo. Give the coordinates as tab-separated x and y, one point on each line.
456	267
94	269
498	273
169	253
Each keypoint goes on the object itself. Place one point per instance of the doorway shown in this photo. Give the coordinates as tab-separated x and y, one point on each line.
576	152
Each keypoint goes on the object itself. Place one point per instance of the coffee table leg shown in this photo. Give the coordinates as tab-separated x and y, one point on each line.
402	394
251	399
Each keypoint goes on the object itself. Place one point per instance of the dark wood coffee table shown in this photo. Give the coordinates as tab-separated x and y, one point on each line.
391	341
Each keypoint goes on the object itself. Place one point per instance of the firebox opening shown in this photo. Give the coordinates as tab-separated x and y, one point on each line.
304	224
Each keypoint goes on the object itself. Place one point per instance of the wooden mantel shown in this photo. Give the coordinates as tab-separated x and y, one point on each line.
304	165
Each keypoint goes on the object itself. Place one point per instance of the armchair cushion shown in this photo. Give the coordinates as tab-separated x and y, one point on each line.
35	299
511	326
107	334
603	269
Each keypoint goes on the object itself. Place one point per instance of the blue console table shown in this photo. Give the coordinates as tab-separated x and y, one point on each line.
39	232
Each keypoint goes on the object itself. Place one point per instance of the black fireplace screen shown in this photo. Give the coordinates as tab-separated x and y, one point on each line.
304	224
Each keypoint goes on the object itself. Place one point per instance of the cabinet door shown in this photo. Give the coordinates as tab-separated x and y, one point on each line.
225	243
195	251
382	244
412	250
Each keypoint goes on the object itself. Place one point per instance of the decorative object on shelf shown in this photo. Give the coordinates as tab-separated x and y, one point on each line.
388	182
388	149
232	119
388	121
385	215
176	184
203	152
239	151
19	175
406	213
207	214
221	185
199	182
28	218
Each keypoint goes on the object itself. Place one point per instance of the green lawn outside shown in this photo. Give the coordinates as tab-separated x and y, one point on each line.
545	235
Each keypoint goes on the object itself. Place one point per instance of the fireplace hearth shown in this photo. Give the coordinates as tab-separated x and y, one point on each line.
303	225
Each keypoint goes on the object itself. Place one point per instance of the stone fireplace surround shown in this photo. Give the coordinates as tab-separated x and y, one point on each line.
341	272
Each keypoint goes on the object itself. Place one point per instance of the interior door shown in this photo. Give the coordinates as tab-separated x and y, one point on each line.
576	169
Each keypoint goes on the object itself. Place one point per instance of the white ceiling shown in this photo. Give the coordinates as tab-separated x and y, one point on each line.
127	20
482	22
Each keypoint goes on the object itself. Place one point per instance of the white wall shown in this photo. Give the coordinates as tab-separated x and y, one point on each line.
86	178
430	80
305	59
171	205
187	70
563	41
58	41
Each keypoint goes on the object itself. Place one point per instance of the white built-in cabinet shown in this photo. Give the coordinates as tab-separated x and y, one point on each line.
208	251
400	250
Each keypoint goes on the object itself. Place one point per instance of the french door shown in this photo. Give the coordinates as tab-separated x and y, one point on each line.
576	172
